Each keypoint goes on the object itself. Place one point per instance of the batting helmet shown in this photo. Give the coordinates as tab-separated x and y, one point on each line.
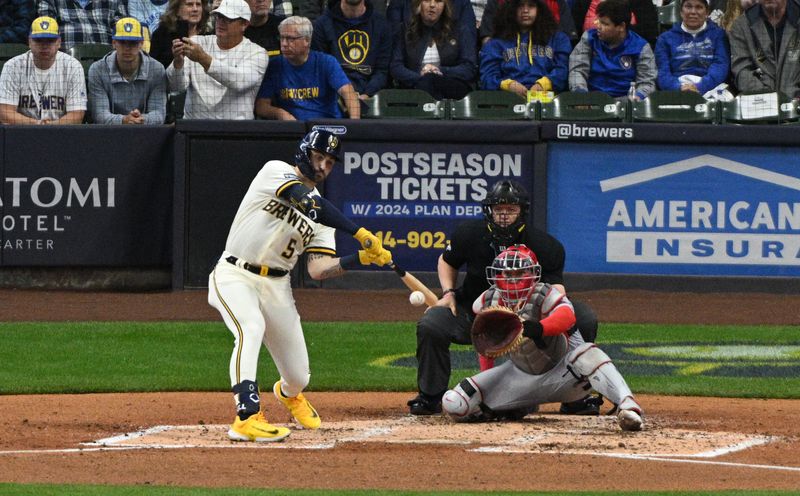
506	192
321	141
515	273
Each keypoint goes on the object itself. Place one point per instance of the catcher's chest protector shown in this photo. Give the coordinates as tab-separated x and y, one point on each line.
528	357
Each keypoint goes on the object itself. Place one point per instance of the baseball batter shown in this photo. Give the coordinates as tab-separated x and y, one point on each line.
551	365
281	216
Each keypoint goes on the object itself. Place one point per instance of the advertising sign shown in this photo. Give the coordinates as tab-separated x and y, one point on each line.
73	203
696	210
413	195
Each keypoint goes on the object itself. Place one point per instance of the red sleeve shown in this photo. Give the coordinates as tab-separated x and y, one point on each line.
559	321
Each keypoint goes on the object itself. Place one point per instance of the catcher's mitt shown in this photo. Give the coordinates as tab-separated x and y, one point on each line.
496	331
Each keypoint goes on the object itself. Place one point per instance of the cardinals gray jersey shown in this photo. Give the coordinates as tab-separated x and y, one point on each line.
544	300
267	230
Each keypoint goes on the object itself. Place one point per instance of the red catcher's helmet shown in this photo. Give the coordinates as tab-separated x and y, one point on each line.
515	272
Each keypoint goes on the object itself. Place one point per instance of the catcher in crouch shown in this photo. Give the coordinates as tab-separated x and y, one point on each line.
549	360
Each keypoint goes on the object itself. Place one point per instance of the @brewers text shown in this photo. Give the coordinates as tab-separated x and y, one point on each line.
564	131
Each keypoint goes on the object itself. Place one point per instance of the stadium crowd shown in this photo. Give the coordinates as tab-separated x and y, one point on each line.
246	59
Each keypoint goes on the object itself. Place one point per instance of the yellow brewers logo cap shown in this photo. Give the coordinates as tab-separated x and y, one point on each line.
44	27
129	29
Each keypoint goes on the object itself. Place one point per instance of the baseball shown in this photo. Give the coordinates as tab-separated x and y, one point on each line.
416	298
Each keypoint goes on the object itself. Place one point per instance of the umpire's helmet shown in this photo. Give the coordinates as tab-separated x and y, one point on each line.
321	141
506	192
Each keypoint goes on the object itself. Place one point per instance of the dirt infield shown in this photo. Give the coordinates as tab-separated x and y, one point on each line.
368	441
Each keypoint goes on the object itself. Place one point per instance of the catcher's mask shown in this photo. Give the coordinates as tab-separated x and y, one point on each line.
515	272
506	192
321	141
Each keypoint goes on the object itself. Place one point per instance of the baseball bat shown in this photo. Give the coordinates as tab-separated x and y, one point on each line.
415	284
411	282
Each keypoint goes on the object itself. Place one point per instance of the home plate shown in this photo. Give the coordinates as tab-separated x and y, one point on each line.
538	433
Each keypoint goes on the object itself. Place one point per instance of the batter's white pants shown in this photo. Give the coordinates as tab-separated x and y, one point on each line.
259	310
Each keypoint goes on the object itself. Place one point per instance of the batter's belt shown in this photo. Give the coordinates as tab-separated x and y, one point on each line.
259	270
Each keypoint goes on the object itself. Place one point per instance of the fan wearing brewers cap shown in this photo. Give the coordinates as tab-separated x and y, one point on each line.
221	73
43	85
127	86
694	54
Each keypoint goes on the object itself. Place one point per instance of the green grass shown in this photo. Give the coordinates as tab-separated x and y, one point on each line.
193	356
76	490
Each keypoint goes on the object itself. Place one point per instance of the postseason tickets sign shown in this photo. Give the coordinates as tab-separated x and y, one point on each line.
413	195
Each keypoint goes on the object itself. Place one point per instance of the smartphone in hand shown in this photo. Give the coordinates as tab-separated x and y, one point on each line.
181	30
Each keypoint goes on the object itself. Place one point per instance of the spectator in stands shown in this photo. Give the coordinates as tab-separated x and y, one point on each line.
644	17
263	28
764	48
433	53
733	9
310	9
15	20
304	84
398	13
694	54
561	11
127	86
223	70
527	52
360	39
43	85
84	21
148	12
182	19
610	57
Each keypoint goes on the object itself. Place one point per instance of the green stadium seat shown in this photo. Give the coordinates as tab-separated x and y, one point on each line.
490	105
674	106
89	53
785	111
668	15
582	106
393	103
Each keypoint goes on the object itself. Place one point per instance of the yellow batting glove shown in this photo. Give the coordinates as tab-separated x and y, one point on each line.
364	257
370	242
382	258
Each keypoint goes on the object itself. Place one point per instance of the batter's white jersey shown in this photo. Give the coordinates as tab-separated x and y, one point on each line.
43	94
268	231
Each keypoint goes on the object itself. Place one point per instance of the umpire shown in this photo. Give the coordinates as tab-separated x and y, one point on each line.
476	243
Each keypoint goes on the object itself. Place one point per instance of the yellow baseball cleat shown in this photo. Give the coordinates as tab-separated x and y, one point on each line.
299	407
256	428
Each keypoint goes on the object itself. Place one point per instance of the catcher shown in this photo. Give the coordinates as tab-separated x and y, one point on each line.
549	360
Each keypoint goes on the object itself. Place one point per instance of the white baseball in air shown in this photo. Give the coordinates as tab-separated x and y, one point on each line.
416	298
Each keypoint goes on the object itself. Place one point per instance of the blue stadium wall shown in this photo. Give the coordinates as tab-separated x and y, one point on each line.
636	205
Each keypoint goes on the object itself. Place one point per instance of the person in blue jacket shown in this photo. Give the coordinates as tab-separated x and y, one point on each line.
694	47
527	51
358	37
611	58
433	53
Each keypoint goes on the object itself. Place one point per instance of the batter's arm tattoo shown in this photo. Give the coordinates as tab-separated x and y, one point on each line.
324	266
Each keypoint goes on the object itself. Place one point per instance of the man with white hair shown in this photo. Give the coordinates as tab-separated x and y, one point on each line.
303	84
223	70
764	48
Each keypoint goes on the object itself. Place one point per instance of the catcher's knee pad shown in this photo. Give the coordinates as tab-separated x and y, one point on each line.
463	400
587	358
594	365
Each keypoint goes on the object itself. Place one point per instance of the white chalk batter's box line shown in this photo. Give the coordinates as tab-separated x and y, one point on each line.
368	431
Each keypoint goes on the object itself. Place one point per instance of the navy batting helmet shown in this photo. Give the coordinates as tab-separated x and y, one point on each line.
321	141
506	192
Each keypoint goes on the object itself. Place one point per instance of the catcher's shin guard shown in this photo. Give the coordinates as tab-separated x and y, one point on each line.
462	401
591	362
